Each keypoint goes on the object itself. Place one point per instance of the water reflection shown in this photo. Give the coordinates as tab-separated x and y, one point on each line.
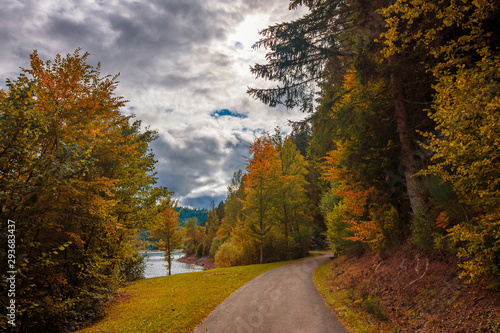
156	265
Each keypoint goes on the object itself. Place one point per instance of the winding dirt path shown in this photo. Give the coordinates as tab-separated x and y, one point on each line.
281	300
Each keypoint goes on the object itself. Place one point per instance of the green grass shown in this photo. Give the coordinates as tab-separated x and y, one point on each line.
357	315
176	303
320	252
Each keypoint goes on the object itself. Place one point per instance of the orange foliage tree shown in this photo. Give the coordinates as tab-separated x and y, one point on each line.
76	177
351	209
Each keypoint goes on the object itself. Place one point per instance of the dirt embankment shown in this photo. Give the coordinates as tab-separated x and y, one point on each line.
203	261
416	293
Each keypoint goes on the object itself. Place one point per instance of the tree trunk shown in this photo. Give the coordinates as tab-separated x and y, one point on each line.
285	217
415	194
169	263
261	223
261	251
168	253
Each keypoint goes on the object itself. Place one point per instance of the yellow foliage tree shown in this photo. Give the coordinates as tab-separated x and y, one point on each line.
463	38
261	191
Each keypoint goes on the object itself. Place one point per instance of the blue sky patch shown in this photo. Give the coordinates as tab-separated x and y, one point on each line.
239	45
228	113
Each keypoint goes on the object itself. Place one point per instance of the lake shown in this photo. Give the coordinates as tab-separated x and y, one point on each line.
156	265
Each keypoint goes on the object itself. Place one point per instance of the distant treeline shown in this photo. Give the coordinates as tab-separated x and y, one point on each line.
186	213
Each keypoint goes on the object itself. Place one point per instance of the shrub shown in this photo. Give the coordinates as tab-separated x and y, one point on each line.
228	255
133	268
214	247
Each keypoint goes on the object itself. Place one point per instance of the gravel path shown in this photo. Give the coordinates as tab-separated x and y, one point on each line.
281	300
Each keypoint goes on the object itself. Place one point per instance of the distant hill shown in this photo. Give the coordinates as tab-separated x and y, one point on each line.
186	213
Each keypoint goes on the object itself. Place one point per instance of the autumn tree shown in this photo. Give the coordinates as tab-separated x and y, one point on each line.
400	81
166	229
292	205
77	178
263	172
193	235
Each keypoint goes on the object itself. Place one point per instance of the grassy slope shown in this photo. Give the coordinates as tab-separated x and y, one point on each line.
176	303
405	292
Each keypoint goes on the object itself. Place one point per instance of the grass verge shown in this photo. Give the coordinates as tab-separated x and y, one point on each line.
176	303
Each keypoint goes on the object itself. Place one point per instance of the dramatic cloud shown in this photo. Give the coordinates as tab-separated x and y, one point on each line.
184	66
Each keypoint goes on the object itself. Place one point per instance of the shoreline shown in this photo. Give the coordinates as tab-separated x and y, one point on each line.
205	262
147	251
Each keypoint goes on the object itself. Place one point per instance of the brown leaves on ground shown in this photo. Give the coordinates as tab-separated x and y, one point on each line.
417	293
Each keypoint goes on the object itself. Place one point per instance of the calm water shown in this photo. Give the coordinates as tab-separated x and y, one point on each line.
156	265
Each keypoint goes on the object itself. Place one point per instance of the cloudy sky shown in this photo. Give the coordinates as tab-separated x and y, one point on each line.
183	64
